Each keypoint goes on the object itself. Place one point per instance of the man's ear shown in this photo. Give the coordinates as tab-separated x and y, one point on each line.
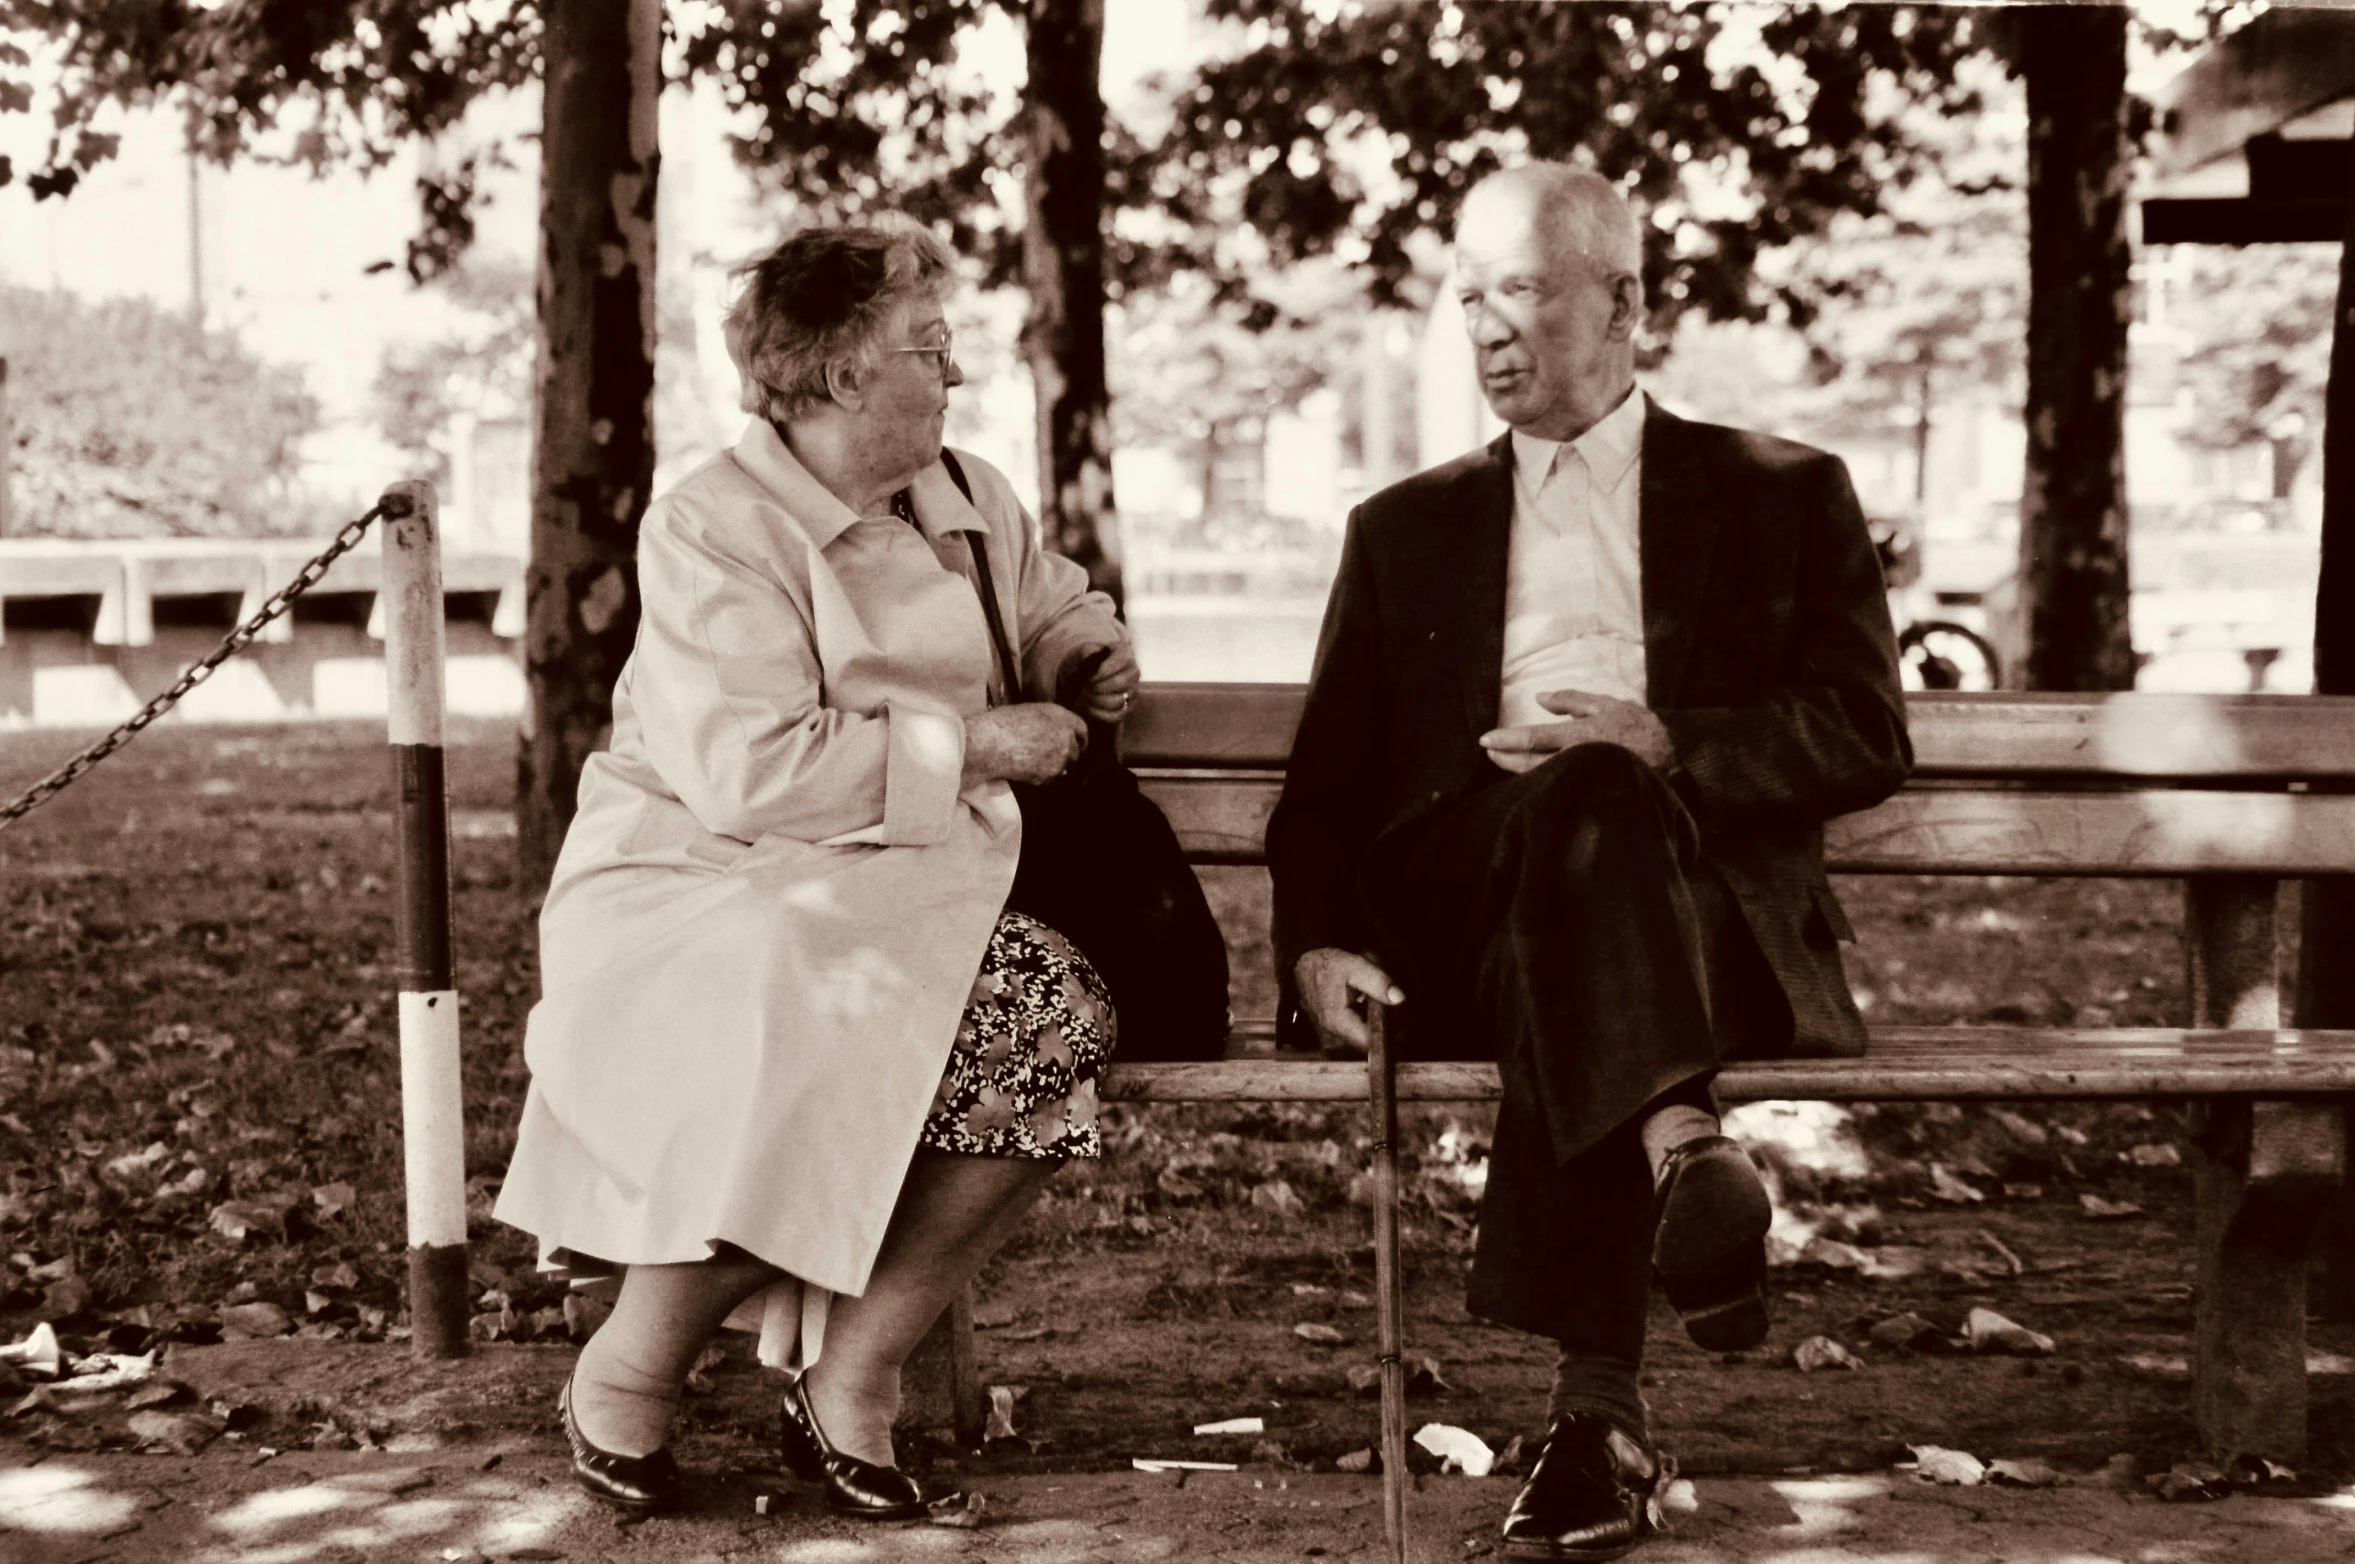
1627	305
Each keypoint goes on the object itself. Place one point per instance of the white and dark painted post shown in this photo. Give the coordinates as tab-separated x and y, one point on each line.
433	1123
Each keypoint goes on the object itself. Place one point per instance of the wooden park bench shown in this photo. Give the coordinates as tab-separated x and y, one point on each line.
2229	794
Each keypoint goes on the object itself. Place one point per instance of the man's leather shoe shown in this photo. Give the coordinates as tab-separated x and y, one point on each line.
639	1484
1711	1214
1591	1495
853	1487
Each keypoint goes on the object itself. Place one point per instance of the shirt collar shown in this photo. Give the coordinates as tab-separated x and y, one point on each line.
765	457
1610	446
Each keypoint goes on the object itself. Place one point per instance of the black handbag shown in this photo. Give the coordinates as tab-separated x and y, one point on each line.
1101	866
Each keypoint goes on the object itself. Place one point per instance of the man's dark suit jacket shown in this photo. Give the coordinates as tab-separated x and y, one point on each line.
1768	656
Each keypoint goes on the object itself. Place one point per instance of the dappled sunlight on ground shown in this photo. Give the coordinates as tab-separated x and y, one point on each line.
223	1509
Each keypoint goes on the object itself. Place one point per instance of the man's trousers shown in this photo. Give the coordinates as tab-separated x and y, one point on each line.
1564	923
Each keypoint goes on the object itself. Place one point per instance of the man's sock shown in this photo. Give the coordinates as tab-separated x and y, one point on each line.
1671	1127
1600	1382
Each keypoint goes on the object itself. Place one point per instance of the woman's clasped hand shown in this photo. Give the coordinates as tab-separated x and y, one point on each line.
1036	741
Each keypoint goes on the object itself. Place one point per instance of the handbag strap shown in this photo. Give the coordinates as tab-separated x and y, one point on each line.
1008	669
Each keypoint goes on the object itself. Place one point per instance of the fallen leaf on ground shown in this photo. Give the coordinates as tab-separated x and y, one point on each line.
2034	1472
2156	1363
2189	1482
65	1299
1945	1186
240	1220
1833	1255
2155	1154
1988	1331
158	1393
339	1275
1001	1414
250	1321
1276	1195
176	1432
2020	1127
2101	1210
393	1480
1821	1352
110	1371
1952	1468
2254	1471
963	1510
1912	1333
1321	1335
1458	1449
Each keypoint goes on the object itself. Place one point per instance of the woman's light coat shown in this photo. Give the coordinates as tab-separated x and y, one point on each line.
773	901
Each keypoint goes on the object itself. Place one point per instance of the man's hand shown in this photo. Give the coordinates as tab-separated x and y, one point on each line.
1331	981
1034	742
1587	719
1114	686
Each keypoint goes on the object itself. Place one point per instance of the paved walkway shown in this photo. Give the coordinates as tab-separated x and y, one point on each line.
318	1508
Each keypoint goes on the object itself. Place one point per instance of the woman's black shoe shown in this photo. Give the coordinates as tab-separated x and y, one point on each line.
853	1486
640	1484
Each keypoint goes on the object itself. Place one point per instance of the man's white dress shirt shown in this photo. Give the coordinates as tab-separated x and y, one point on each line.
1574	597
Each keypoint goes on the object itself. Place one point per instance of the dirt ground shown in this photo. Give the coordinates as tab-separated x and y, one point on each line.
198	1114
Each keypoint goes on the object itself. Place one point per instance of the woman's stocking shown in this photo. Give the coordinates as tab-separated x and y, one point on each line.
953	1213
629	1377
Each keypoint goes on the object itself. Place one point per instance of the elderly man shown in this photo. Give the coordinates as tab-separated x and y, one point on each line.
1582	703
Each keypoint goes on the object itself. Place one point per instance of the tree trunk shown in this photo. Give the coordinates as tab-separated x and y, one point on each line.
2073	576
2326	978
593	412
1063	266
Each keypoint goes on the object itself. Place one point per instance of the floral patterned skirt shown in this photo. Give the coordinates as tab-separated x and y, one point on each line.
1021	1079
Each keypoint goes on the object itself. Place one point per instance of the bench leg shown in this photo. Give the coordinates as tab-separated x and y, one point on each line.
940	1387
2267	1174
1389	1290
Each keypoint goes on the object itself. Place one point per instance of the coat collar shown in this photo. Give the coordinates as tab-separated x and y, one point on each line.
1479	580
1677	521
820	513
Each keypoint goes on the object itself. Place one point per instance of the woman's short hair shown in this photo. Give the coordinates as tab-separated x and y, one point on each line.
823	295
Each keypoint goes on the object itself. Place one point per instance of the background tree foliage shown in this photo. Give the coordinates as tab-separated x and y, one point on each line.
1357	135
129	421
2257	356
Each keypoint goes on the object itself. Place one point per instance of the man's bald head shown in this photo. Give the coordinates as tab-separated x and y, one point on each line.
1549	271
1576	208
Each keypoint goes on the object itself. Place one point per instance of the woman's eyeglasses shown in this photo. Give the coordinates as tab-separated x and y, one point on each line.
942	353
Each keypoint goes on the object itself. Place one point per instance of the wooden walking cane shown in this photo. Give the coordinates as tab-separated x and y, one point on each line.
1389	1292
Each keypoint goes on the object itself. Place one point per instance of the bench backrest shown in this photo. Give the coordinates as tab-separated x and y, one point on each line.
2129	784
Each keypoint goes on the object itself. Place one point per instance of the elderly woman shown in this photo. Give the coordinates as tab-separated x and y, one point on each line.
791	1044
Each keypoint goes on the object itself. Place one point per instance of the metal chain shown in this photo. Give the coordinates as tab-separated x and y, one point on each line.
392	506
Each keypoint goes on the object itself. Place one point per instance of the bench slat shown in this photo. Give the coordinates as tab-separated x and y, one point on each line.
2146	735
1905	1063
1222	818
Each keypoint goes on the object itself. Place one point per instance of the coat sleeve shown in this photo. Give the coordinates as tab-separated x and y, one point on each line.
1055	614
1329	812
731	695
1831	737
